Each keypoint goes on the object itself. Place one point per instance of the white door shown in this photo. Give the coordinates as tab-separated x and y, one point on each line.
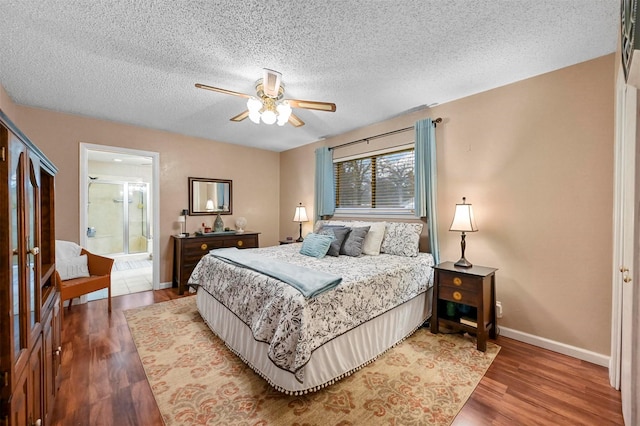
624	348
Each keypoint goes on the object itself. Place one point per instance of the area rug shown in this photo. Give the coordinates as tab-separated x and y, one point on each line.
197	380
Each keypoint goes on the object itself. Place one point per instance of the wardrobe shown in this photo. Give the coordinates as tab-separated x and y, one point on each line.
30	352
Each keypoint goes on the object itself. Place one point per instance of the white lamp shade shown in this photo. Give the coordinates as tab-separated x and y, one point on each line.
209	206
301	215
268	117
181	219
463	219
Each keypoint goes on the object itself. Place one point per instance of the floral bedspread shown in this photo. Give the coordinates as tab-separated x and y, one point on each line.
293	326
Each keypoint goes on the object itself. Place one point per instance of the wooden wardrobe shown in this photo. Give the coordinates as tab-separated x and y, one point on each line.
30	351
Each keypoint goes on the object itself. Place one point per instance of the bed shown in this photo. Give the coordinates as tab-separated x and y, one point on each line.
301	344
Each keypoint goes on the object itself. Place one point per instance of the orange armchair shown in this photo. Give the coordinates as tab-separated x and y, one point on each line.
100	277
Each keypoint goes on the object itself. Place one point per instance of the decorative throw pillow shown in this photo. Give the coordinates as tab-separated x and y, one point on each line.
374	237
352	245
339	233
402	239
316	245
72	267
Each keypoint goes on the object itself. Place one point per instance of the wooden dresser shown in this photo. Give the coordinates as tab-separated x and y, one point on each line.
30	351
187	251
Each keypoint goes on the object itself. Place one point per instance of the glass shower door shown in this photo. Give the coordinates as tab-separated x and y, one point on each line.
106	218
138	225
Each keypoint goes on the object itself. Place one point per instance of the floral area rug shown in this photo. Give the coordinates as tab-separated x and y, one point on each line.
197	380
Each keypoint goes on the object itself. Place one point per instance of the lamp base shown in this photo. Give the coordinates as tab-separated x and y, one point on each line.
299	240
463	263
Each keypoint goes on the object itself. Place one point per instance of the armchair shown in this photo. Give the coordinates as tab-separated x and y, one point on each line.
99	277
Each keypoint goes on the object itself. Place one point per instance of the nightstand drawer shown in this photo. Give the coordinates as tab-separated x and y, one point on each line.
459	295
459	281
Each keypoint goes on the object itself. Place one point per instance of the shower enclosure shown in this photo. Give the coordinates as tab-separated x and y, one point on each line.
118	217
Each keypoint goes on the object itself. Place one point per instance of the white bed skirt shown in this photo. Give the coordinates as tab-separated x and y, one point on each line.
334	360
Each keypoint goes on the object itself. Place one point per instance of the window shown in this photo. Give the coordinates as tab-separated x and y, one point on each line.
378	182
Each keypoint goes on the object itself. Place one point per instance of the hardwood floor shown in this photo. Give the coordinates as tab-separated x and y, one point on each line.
103	382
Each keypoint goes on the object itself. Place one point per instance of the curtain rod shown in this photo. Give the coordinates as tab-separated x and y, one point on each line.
381	135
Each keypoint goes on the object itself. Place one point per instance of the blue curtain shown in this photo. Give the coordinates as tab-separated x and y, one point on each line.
325	195
426	193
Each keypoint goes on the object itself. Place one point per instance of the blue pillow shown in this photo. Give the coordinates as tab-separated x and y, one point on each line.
316	245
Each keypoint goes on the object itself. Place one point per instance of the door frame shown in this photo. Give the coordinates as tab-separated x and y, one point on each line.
624	364
155	190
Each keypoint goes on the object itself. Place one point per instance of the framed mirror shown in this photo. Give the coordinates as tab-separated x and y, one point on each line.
210	196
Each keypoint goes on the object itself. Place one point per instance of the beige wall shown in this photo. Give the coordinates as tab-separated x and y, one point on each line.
535	158
255	172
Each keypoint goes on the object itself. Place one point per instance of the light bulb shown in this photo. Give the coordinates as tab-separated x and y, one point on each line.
254	104
268	117
254	116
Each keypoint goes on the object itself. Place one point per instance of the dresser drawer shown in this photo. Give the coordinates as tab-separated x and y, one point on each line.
460	295
459	281
250	241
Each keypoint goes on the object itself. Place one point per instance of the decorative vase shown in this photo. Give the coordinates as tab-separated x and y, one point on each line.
241	222
218	225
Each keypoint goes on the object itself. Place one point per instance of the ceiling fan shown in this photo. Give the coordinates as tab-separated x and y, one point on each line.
269	104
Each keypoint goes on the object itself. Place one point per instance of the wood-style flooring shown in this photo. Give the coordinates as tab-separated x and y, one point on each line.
103	382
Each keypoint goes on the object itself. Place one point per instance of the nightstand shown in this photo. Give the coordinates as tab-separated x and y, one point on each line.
283	242
474	287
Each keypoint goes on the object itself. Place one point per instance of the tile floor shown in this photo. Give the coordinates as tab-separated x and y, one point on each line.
127	277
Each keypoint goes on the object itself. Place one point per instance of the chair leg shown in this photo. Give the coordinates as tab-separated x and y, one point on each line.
70	302
109	297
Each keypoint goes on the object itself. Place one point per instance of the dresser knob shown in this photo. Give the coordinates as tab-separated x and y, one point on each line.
203	246
240	243
457	281
457	295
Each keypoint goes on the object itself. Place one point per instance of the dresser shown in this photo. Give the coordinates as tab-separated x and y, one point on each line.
30	351
187	251
464	299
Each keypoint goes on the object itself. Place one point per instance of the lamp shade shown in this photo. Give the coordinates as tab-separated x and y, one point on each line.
463	219
209	206
182	219
301	214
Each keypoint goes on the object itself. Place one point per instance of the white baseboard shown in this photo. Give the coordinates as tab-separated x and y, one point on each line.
162	286
583	354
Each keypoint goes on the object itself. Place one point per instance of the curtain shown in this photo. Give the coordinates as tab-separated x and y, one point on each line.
426	181
325	196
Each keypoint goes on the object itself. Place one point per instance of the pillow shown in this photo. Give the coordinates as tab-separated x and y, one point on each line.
352	245
316	245
66	249
372	240
339	233
402	239
72	267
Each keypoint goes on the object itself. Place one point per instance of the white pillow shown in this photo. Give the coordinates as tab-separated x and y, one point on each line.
67	249
72	267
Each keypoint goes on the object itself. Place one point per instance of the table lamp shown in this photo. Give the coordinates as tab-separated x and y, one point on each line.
300	216
463	221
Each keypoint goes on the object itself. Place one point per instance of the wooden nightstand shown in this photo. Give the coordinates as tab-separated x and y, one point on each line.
474	287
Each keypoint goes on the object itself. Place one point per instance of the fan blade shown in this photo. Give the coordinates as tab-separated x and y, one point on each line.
240	116
225	91
295	121
319	106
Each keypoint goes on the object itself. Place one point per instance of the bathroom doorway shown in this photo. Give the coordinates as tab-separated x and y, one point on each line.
119	198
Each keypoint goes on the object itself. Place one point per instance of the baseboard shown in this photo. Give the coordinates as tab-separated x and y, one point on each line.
583	354
162	286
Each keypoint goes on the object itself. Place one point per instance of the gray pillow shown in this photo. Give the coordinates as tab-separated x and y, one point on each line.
352	245
338	233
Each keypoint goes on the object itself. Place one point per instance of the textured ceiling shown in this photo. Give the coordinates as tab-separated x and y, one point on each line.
137	61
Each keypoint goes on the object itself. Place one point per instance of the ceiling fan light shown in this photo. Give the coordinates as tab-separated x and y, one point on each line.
254	104
282	121
254	116
268	117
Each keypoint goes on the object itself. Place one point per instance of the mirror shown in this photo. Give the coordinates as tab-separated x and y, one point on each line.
209	196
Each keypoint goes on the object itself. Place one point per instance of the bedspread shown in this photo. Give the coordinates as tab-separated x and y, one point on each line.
294	326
